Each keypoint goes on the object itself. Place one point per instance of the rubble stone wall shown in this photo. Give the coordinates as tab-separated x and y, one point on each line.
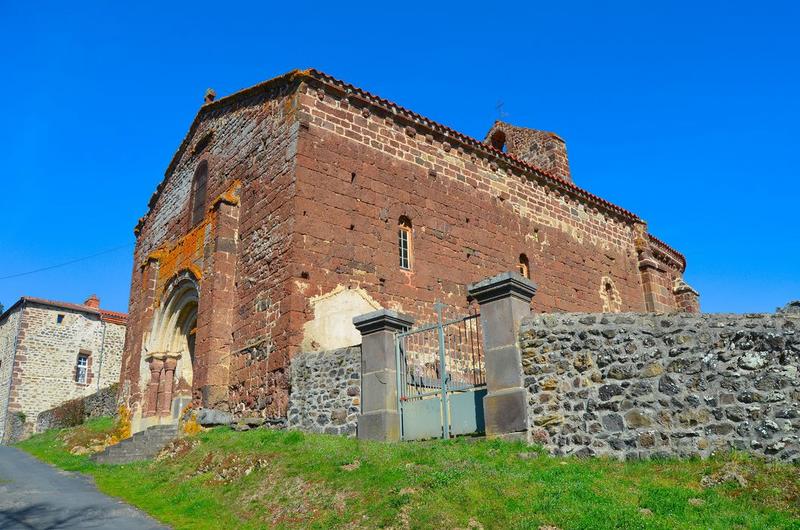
101	403
326	391
639	385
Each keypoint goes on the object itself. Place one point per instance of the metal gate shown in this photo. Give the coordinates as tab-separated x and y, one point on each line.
441	378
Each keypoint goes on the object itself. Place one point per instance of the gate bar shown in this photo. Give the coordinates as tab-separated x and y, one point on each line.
443	373
400	372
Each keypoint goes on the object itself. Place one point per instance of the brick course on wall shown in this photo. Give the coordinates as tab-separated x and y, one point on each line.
326	391
314	176
640	385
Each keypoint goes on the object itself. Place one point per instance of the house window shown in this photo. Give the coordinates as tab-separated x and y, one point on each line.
60	319
82	368
404	242
524	267
199	183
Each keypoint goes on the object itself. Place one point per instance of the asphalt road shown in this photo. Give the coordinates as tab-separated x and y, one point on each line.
34	495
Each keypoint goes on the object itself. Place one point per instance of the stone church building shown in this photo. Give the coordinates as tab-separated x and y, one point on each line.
52	352
296	204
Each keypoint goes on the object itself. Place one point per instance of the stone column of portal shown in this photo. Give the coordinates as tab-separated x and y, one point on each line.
505	300
169	376
156	365
379	418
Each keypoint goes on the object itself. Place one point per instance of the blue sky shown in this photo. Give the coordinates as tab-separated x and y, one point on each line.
683	112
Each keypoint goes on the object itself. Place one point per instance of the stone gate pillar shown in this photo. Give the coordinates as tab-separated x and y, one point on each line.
504	300
379	418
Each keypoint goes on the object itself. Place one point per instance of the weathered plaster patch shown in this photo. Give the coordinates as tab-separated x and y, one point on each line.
332	326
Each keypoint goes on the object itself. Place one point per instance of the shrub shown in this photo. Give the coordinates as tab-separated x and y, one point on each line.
122	427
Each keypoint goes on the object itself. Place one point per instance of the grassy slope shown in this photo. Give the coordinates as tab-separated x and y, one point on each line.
268	478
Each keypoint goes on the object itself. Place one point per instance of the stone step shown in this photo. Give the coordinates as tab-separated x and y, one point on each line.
141	446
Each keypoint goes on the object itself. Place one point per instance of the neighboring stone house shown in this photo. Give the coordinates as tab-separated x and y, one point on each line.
52	352
294	205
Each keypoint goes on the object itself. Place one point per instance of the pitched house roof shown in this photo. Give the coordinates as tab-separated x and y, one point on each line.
112	317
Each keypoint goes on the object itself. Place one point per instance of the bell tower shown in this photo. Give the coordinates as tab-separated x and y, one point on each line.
542	149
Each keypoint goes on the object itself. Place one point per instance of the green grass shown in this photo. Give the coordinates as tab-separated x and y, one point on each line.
317	481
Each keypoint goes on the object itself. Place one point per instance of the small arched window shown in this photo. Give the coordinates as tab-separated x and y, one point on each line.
404	242
199	183
524	266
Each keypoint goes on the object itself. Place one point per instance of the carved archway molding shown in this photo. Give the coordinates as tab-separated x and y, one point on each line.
170	345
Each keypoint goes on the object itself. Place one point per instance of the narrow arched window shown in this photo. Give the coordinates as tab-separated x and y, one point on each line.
199	183
404	242
524	266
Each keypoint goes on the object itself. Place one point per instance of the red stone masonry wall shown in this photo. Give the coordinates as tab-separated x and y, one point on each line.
265	311
360	170
662	277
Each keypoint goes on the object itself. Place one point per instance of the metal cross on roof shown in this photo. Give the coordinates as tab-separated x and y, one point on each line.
500	112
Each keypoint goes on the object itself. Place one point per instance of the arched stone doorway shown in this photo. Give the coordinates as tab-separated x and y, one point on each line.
171	357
